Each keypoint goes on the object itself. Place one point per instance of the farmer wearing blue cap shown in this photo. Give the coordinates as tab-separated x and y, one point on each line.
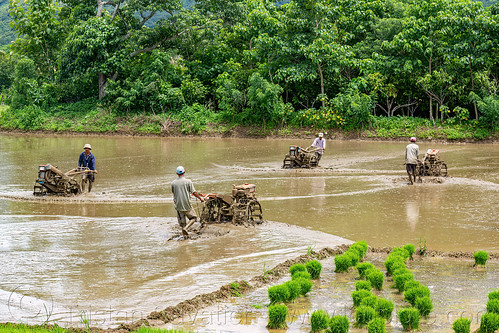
182	189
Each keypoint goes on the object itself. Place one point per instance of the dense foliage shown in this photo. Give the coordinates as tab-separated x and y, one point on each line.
317	63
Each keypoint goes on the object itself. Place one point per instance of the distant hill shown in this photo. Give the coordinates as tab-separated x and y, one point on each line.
6	33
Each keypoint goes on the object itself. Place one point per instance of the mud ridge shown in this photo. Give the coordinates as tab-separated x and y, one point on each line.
435	253
236	288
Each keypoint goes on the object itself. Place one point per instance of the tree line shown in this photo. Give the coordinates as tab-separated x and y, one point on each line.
337	62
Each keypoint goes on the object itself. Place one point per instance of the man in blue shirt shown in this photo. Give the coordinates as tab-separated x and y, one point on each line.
87	160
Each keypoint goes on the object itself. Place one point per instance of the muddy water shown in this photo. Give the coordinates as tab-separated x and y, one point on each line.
105	257
457	290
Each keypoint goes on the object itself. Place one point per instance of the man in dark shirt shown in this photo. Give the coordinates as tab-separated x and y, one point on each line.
87	160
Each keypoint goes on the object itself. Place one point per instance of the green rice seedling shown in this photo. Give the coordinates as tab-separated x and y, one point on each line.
301	274
461	325
235	289
481	258
377	325
363	315
398	265
305	285
342	263
278	293
410	248
401	252
411	294
277	316
400	270
494	294
314	268
339	324
424	305
294	289
493	306
411	284
359	249
489	323
363	284
390	261
319	320
409	318
384	308
364	246
297	268
369	301
354	257
358	295
401	280
376	277
362	267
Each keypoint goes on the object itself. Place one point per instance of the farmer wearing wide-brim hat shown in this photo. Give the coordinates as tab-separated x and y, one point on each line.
87	160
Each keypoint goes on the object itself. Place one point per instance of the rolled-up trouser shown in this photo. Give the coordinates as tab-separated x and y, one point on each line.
182	215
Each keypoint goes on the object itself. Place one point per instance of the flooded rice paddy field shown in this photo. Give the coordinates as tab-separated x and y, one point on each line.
106	257
457	289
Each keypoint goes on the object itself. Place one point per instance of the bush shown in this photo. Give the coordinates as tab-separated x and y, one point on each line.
362	267
305	285
294	289
314	269
376	277
319	320
342	263
363	284
339	324
489	323
364	314
410	248
494	294
358	295
409	318
411	294
297	268
369	301
462	325
384	308
377	325
481	258
301	275
401	280
279	293
277	316
493	306
424	305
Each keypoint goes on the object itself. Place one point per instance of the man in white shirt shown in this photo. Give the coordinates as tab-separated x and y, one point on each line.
319	144
411	159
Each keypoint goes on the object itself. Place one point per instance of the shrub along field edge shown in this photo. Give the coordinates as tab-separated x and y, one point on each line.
90	119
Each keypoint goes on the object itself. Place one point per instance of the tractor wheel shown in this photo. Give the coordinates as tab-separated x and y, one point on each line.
254	212
443	169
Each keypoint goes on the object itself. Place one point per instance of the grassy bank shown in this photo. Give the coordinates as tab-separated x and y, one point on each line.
88	117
